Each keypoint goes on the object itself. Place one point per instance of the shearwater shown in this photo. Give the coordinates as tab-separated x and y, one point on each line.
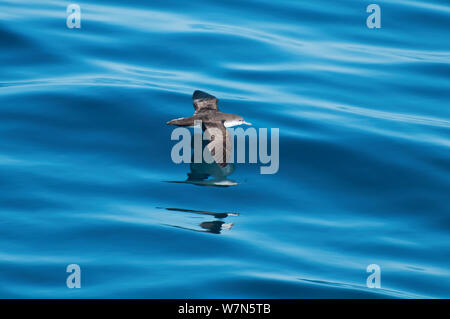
214	124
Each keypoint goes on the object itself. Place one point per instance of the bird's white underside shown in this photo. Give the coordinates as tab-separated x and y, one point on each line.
232	123
226	124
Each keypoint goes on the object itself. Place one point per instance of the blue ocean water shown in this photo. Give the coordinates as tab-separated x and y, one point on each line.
86	172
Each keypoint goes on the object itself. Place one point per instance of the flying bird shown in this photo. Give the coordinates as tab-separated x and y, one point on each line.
214	124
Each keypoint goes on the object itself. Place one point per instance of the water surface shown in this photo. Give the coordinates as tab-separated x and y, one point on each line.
86	174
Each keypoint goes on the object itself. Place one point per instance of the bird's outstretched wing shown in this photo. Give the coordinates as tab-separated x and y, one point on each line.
220	146
204	102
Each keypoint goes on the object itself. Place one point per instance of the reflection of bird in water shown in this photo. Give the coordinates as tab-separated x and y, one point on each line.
215	226
201	172
202	212
209	174
214	124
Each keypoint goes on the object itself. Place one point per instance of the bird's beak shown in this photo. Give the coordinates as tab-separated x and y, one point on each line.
246	123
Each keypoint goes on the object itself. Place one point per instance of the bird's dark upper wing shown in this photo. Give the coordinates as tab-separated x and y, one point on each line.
220	146
204	102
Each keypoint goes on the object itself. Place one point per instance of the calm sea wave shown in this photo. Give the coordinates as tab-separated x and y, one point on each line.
87	178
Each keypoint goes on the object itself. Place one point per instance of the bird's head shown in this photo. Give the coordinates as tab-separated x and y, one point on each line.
235	120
